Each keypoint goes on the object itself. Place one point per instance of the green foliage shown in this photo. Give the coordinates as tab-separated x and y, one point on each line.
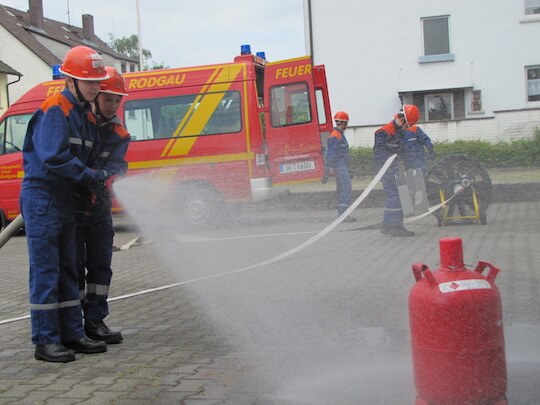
517	153
129	46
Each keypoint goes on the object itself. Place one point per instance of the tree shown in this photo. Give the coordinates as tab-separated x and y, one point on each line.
129	46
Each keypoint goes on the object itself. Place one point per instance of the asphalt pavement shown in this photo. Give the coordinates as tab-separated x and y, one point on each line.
204	324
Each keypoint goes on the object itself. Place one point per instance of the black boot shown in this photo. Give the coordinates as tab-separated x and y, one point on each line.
86	345
97	330
395	230
54	352
401	231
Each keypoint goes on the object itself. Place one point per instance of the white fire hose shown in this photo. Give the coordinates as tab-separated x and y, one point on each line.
10	230
18	222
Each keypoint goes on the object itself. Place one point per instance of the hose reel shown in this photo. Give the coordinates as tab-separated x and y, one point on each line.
470	184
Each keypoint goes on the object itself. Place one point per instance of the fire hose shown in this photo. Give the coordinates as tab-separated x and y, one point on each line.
18	222
10	230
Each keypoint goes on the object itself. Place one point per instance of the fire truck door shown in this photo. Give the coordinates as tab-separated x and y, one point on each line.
292	131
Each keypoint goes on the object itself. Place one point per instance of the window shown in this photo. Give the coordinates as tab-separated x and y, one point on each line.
289	105
533	83
439	106
476	101
123	67
532	7
190	115
320	106
436	39
12	133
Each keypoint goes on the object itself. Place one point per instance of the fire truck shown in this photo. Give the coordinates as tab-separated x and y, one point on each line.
214	134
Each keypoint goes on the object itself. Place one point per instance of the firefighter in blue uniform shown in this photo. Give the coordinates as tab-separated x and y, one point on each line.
95	231
389	140
58	147
337	160
417	149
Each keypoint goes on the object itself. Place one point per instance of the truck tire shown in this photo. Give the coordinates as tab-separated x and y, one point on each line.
3	221
200	205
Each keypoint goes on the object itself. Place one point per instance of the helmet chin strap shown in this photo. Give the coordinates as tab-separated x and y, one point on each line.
80	96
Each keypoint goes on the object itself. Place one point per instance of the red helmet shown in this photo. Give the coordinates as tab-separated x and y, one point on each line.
341	116
410	113
115	84
84	63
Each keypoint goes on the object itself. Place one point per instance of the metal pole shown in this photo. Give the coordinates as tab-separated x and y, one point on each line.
139	35
11	230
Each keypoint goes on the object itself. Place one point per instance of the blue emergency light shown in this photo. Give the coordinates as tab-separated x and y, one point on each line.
56	72
261	55
245	49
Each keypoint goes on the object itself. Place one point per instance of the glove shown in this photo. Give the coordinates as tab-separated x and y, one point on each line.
100	176
431	154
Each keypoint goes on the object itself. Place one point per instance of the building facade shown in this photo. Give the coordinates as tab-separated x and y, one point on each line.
32	44
472	68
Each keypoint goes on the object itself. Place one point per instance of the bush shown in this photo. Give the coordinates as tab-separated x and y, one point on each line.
518	153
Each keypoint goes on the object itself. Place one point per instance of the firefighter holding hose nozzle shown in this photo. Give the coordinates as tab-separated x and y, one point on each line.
401	136
95	231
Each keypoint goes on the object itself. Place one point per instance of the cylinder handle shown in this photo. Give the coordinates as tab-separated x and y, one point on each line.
490	276
422	270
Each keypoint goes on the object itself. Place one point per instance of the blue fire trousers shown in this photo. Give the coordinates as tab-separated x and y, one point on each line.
95	235
343	187
49	220
393	214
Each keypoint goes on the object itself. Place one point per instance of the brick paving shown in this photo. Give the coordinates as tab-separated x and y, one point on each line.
325	326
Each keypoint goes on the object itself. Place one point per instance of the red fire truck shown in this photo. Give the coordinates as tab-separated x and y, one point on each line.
216	134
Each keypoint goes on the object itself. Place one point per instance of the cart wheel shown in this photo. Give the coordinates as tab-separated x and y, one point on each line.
459	172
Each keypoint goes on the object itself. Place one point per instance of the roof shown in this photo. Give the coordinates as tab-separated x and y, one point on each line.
17	22
6	69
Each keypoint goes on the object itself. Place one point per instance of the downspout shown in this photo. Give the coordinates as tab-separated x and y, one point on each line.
7	88
310	22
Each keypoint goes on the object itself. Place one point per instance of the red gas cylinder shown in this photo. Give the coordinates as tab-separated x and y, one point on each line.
457	339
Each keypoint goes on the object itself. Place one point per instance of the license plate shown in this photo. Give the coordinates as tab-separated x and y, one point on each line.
297	167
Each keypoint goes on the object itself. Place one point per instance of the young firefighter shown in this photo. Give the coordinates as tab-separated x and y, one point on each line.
95	231
59	144
388	141
417	149
337	159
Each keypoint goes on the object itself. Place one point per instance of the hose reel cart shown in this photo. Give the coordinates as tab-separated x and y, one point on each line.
471	184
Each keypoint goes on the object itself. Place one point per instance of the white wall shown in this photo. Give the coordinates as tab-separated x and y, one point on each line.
504	126
371	49
21	59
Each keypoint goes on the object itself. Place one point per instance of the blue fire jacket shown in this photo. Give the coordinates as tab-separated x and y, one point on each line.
61	142
114	143
415	143
388	141
337	153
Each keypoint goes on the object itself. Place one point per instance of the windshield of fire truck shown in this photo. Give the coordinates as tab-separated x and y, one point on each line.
12	131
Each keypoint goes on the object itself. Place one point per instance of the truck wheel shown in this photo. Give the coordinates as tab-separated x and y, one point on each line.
3	221
200	205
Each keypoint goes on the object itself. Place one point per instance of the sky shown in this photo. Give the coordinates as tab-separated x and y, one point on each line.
188	33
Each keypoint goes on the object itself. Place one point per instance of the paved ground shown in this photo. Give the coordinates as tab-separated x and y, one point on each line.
328	325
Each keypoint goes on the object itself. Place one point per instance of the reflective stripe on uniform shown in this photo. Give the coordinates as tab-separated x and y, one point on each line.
98	289
105	154
55	305
75	141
